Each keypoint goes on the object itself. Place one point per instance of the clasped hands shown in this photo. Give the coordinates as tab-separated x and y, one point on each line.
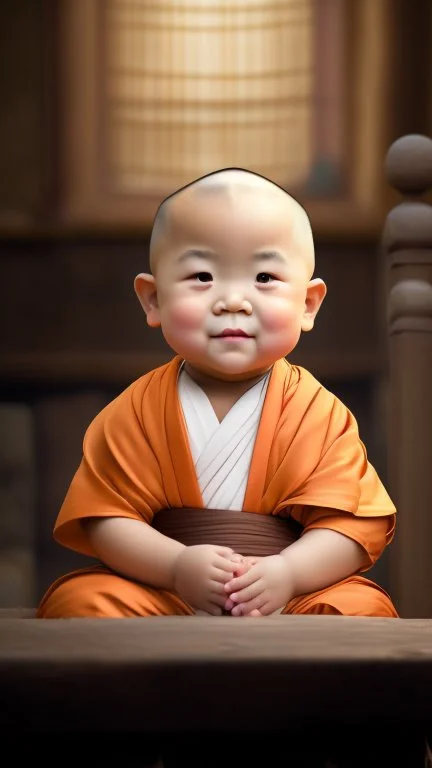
212	579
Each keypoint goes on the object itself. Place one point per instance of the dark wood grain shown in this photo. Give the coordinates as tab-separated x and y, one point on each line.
175	673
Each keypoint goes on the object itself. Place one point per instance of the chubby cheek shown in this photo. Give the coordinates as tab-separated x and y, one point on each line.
185	315
278	317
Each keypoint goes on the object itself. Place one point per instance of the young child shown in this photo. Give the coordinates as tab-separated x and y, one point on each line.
228	480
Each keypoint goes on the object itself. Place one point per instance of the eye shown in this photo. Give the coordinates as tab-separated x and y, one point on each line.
265	277
202	277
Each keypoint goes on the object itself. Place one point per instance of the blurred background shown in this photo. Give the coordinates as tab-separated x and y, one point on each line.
106	107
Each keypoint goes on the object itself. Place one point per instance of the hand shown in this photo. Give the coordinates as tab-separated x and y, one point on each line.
265	587
243	567
200	572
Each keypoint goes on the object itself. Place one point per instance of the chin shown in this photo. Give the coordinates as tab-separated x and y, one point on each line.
238	373
233	373
229	369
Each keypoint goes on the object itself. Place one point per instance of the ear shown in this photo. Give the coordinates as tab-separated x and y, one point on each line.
145	289
315	294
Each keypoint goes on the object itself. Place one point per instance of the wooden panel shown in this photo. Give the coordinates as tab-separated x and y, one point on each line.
17	518
60	422
68	313
23	128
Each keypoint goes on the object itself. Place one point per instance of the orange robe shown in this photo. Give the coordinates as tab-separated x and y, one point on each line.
308	462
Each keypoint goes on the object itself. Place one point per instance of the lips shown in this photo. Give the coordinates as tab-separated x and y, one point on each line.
233	332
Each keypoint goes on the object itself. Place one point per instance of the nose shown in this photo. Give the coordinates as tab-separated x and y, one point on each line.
232	302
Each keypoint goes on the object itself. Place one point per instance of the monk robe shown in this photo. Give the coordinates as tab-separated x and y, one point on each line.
287	448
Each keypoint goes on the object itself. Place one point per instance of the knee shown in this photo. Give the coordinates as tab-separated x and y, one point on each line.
352	597
83	596
364	600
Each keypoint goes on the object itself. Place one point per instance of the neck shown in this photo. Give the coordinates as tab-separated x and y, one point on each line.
221	386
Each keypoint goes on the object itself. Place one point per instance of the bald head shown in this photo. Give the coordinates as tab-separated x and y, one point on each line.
233	184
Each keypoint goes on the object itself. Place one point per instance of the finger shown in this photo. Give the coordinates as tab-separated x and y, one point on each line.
224	564
218	599
241	569
252	614
245	608
213	608
265	609
217	588
247	594
224	551
268	609
240	582
242	610
216	574
229	605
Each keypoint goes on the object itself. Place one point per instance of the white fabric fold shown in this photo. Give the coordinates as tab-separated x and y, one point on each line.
221	451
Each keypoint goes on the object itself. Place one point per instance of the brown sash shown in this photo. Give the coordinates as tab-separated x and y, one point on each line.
245	532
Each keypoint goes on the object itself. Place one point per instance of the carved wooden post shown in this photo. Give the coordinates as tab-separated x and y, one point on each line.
407	242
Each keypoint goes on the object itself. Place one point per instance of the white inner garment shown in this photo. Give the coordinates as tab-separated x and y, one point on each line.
221	451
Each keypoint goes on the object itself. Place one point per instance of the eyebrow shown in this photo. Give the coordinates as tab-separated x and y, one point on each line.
197	253
212	256
269	256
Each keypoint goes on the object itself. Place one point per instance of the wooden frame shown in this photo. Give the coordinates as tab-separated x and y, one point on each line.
88	203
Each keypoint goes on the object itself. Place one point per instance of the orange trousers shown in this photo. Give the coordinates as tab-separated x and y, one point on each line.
98	592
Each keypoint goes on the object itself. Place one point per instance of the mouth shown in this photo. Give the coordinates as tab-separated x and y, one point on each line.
233	333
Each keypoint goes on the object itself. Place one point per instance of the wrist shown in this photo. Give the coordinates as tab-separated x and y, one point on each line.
291	571
175	565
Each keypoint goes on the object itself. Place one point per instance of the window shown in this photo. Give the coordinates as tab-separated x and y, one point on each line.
158	92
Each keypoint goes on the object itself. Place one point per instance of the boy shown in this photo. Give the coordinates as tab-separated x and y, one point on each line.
227	434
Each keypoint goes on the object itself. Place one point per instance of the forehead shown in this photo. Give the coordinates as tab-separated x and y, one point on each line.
239	214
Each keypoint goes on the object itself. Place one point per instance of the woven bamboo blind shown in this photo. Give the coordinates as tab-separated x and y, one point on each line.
195	86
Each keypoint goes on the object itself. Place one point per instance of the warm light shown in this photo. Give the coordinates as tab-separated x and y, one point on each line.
196	86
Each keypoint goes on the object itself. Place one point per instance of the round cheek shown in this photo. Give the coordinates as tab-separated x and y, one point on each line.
186	316
277	317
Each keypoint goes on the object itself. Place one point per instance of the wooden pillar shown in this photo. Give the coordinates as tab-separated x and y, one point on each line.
407	242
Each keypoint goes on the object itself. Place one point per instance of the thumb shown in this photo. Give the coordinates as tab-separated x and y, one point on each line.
225	552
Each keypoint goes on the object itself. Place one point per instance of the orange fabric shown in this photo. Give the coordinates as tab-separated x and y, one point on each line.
99	593
308	458
354	596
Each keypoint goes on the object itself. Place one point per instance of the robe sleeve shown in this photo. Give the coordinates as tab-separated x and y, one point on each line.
319	460
118	476
372	533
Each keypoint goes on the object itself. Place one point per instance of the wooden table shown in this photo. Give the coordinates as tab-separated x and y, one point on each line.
279	677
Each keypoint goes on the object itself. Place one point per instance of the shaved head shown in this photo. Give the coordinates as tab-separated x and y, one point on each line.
233	183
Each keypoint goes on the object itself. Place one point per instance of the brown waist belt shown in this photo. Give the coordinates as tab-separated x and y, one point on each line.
245	532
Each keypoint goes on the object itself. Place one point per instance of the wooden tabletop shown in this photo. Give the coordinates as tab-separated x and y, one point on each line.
172	673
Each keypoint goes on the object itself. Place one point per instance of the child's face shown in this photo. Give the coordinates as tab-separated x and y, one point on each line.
232	293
